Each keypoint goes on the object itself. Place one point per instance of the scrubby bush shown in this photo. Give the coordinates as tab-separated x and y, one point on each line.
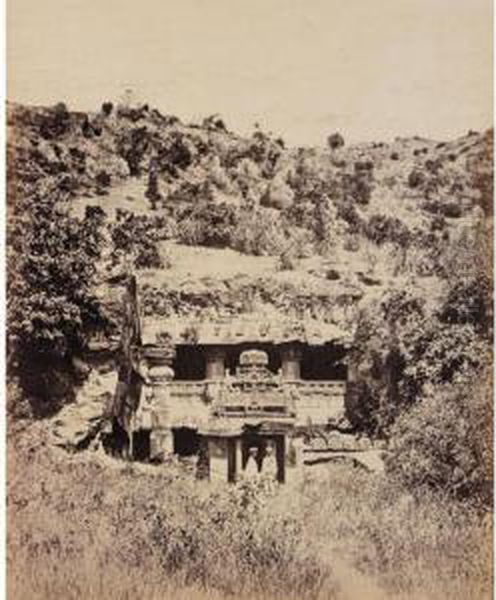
214	122
381	229
56	122
358	187
362	403
132	145
363	165
332	275
452	210
136	237
176	155
107	108
259	232
278	195
152	189
466	254
416	179
287	260
103	180
335	141
347	211
208	224
439	354
401	350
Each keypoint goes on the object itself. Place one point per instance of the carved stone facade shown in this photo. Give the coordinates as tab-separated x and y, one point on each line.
227	391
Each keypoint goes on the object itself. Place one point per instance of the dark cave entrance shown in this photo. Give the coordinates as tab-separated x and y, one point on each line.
186	441
141	445
324	363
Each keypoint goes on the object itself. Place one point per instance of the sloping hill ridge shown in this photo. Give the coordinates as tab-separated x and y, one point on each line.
219	224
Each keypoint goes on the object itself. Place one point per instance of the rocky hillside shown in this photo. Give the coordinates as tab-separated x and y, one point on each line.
216	224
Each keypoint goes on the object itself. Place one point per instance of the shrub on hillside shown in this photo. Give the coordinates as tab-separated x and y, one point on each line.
214	123
466	254
381	229
56	122
259	232
347	211
136	237
287	260
107	108
358	187
208	224
103	181
451	210
132	145
177	154
278	195
469	301
437	353
335	141
416	179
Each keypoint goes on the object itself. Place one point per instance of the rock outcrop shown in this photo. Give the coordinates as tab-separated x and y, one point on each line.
79	423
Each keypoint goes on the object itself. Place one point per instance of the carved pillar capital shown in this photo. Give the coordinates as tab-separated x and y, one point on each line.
158	360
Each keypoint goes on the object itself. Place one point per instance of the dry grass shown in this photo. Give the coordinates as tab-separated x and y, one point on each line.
83	528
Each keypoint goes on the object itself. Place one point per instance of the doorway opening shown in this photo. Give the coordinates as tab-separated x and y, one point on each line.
186	441
141	445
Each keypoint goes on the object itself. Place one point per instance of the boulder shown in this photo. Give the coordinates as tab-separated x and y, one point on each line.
77	424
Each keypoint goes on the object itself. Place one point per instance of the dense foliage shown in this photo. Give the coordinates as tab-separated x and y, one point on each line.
445	442
51	304
135	239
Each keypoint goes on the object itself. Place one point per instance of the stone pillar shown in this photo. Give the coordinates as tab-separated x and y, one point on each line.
296	451
158	375
281	458
161	443
214	363
231	460
239	457
290	363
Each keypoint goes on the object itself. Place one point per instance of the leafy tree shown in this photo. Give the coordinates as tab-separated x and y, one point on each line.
56	122
136	237
381	229
278	195
208	224
107	108
401	350
51	306
469	301
445	442
132	146
335	141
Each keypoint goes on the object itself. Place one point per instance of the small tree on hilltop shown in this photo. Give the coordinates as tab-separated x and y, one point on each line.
335	141
152	190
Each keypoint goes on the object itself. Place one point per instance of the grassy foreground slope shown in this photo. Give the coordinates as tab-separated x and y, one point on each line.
86	526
